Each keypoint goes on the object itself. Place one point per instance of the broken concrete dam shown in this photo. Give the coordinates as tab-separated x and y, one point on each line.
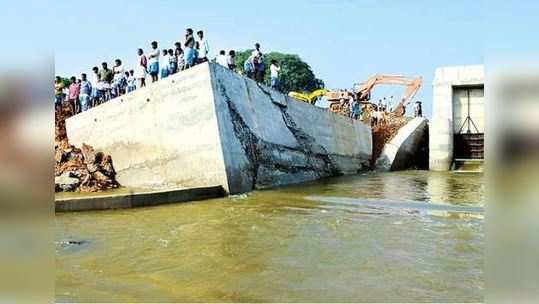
209	126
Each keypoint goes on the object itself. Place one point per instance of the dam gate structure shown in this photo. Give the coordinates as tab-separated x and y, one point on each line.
457	128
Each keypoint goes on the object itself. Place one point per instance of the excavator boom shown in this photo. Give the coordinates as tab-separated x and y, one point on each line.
300	96
315	94
309	98
412	86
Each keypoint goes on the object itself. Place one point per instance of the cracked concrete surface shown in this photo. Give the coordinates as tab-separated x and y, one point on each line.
290	153
269	163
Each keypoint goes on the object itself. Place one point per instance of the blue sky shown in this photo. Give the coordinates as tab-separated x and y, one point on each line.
344	41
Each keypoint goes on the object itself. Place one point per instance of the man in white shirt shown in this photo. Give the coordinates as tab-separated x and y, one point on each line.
231	60
118	78
204	47
256	52
94	82
257	61
153	62
164	63
221	59
274	74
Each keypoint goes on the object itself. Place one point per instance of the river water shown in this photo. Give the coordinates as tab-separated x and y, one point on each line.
401	236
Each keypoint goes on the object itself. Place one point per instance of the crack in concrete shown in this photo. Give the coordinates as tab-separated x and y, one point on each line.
248	140
307	142
267	93
262	154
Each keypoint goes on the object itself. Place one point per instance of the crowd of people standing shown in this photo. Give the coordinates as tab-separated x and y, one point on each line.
387	106
105	83
254	66
373	113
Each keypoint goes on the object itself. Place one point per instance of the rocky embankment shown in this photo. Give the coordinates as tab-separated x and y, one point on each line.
79	169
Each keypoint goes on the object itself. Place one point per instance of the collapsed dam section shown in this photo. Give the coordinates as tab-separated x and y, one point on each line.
209	126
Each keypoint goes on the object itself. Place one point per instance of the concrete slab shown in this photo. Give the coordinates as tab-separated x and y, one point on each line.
400	152
270	139
136	199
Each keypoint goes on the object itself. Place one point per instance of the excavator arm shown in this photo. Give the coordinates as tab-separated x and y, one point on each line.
362	92
315	94
299	96
412	86
309	98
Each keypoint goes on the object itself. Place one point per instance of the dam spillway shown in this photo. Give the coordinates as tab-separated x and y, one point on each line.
209	126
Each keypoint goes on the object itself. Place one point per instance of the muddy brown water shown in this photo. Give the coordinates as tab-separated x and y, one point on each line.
364	238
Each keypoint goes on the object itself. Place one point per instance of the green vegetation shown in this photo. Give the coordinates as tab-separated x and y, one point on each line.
66	81
296	75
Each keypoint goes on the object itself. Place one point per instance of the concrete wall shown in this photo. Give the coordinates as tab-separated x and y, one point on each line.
163	136
209	126
270	139
441	124
401	152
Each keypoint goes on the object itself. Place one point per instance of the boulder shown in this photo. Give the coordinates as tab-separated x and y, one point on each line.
88	153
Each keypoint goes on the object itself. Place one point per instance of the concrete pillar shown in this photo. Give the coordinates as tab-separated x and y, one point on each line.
440	144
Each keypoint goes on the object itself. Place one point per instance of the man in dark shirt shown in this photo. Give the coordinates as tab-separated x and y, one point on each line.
106	76
106	73
418	109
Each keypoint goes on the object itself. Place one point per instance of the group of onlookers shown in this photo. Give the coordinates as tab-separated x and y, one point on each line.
351	107
372	113
105	83
387	106
162	63
254	66
367	112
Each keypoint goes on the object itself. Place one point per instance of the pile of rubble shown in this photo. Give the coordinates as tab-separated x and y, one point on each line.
79	169
385	131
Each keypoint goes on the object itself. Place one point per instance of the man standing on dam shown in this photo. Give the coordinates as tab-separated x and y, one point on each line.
204	47
258	63
274	74
418	109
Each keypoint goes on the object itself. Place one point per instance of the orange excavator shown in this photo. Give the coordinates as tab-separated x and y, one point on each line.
362	91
